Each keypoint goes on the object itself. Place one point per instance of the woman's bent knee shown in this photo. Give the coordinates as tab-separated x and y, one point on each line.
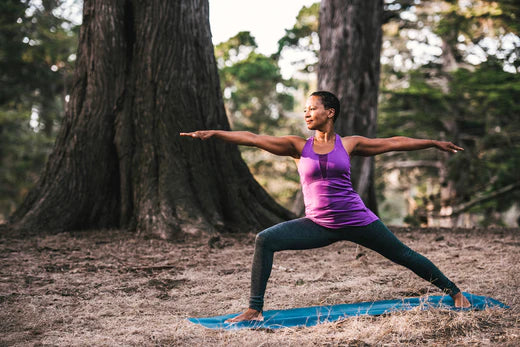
263	240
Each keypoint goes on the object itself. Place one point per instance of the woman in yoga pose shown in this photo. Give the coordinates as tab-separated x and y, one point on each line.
333	210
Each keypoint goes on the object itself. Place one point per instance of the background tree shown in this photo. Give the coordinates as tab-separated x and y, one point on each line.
145	72
423	94
36	55
450	71
350	45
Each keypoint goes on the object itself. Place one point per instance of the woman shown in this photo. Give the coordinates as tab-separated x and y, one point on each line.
333	210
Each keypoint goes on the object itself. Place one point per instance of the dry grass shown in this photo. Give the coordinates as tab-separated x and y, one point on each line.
112	288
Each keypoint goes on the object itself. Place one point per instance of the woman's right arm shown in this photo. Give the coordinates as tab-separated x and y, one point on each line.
280	145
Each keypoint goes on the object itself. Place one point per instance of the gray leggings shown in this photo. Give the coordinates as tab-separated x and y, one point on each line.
303	233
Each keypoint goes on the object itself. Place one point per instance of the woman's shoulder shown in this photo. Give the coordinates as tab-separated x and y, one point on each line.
298	142
350	142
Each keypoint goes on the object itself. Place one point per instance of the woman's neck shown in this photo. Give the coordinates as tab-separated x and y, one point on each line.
325	136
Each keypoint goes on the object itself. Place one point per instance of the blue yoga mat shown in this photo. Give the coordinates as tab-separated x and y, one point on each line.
310	316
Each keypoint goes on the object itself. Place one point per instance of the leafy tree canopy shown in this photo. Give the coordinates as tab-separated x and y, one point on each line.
252	84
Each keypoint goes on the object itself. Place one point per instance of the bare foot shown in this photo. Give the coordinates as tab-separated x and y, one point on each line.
250	314
460	300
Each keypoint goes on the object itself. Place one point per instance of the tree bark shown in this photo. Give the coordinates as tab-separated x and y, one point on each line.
145	72
350	46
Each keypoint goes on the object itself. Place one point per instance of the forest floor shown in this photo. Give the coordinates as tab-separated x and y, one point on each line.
110	287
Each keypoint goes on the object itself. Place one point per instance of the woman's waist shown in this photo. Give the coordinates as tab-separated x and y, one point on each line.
335	186
333	202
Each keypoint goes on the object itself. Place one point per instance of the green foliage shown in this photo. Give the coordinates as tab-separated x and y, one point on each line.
256	99
458	91
303	38
471	22
250	81
479	110
35	46
305	29
489	100
402	110
226	51
394	8
34	51
476	106
507	14
23	153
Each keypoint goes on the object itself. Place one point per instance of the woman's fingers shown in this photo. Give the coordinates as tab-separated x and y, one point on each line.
200	134
458	148
450	147
454	148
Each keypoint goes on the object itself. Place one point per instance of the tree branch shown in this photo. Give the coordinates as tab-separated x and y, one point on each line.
483	197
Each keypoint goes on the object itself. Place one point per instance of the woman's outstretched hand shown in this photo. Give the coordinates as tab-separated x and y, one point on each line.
200	134
448	146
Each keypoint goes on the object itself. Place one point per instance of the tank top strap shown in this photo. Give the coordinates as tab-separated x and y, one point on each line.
307	148
339	145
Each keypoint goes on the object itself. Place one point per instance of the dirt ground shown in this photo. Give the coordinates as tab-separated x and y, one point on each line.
110	287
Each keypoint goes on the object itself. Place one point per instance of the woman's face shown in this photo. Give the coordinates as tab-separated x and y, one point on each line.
315	113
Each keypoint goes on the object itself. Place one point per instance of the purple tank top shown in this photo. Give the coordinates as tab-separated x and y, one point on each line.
330	199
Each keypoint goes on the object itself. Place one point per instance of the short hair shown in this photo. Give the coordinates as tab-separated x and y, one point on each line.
329	101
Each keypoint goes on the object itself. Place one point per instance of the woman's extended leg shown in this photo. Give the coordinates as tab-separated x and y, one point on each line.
377	237
297	234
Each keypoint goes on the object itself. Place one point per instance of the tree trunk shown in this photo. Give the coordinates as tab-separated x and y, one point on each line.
350	46
145	72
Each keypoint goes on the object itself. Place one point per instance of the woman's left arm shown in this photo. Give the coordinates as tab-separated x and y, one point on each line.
363	146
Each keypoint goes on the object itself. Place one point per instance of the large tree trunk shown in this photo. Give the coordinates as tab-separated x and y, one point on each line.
145	72
350	46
